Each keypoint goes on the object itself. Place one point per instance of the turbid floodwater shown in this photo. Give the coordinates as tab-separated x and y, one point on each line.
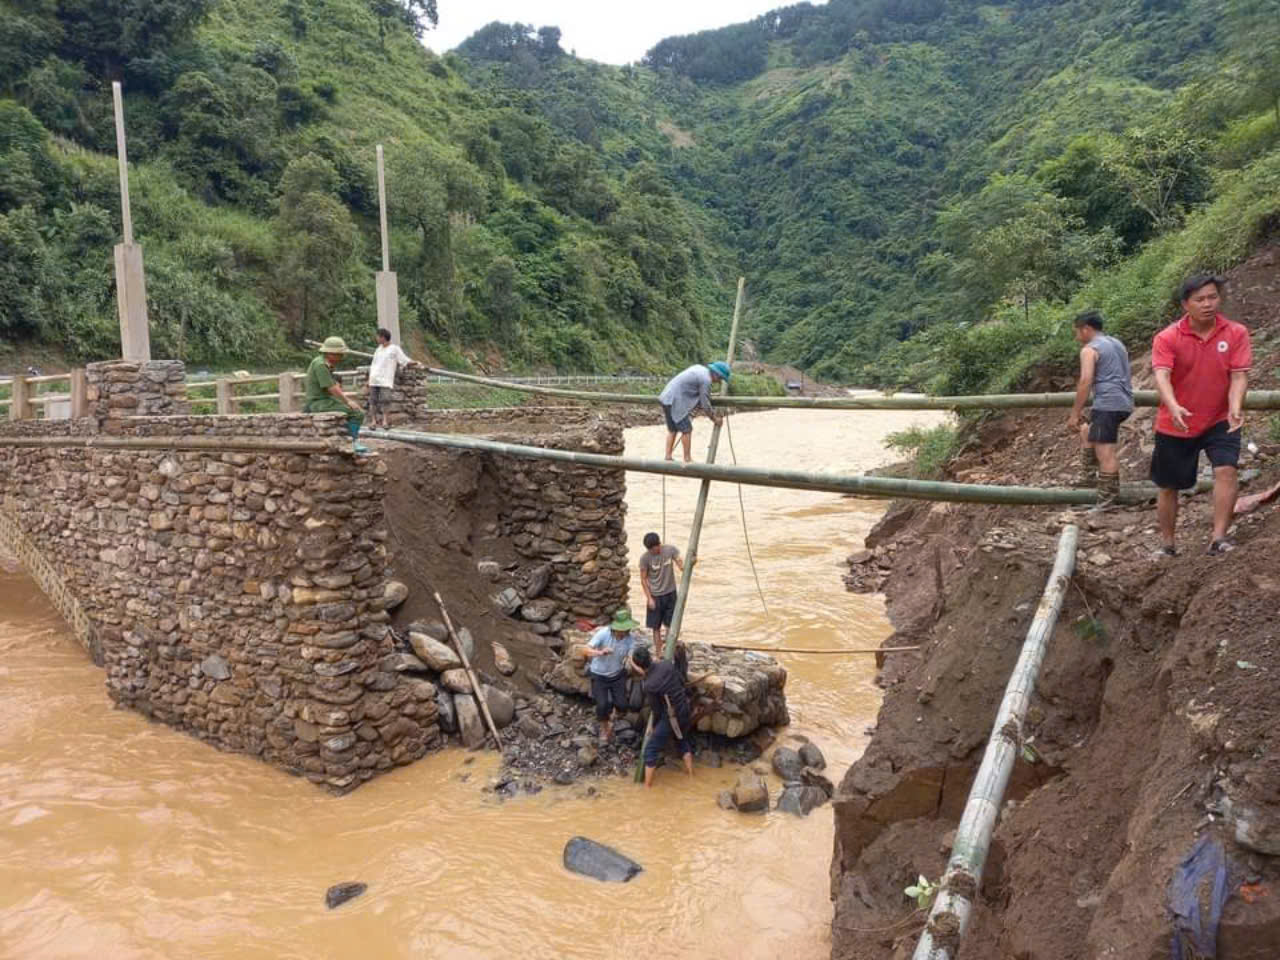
123	839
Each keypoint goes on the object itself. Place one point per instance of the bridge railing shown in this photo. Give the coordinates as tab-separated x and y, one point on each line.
59	396
253	394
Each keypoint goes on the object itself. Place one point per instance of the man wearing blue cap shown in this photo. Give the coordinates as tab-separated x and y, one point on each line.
687	391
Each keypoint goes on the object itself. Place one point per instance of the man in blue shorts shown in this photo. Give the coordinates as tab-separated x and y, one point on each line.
684	393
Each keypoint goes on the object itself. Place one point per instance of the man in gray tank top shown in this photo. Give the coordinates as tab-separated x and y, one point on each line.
1104	371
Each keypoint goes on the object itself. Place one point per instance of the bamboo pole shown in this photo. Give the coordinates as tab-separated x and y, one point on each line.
953	906
730	646
471	674
695	532
853	484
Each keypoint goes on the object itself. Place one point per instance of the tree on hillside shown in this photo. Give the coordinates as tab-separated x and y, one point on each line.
1164	170
1255	43
318	242
414	14
1015	240
105	35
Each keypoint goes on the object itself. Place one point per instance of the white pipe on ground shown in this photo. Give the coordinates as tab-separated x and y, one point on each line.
953	906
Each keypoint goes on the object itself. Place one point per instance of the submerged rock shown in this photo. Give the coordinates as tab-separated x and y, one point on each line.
750	795
340	893
595	860
813	757
800	799
787	763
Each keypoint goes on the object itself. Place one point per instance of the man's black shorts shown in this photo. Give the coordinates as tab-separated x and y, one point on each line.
609	693
1104	425
683	425
1177	459
663	609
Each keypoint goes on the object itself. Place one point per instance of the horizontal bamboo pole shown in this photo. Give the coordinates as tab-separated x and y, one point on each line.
220	444
791	479
954	904
729	646
1254	400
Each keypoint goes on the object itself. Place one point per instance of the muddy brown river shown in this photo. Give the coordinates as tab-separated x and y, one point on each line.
123	839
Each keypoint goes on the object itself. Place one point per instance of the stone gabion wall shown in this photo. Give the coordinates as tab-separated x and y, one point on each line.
572	519
300	426
236	596
128	388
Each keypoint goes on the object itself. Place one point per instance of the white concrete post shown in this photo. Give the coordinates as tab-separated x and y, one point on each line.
19	399
226	400
288	393
131	287
79	394
388	289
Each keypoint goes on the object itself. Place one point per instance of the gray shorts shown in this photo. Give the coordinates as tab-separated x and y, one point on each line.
683	425
379	397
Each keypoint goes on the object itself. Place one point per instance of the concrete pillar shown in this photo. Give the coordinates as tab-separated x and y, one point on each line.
19	399
289	394
389	303
79	394
225	398
131	299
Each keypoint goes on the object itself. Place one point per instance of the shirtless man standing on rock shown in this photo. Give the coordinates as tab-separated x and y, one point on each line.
1202	363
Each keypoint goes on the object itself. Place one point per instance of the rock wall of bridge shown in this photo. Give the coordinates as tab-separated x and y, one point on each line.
237	596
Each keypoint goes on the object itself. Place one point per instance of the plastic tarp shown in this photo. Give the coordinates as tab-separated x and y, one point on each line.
1197	894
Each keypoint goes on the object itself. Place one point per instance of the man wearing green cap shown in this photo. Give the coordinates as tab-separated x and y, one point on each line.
607	652
325	395
687	391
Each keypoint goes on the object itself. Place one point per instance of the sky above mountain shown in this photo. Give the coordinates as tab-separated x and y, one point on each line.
608	32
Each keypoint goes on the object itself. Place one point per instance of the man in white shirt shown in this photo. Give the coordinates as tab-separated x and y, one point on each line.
387	359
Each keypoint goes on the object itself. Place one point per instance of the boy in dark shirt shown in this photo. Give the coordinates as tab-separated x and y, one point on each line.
664	686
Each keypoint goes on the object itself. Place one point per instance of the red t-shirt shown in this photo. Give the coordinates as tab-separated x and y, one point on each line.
1201	371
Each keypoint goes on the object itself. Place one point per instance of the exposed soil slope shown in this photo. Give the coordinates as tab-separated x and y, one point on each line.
1149	732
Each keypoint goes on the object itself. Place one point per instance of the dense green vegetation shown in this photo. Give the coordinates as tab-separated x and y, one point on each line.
919	191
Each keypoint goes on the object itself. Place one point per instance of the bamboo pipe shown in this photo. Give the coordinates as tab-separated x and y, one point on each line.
854	484
954	904
220	444
730	646
471	674
1254	400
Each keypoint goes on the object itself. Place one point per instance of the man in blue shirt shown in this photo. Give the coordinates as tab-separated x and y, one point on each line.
607	652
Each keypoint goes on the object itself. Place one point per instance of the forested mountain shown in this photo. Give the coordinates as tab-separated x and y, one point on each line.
920	191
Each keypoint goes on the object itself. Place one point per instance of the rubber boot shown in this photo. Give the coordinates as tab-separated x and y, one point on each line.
354	430
1108	491
1088	475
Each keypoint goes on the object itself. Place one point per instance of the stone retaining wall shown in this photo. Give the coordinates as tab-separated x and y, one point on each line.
128	388
237	596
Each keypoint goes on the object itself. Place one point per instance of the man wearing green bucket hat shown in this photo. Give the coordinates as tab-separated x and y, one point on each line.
607	652
324	393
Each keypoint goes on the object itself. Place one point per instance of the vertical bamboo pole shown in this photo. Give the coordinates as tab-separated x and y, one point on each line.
695	532
953	906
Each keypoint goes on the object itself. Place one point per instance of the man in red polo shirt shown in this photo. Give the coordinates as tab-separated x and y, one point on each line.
1202	365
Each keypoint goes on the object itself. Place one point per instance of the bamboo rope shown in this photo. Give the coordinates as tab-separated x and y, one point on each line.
954	904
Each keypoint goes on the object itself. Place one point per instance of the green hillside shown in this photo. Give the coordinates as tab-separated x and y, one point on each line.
919	191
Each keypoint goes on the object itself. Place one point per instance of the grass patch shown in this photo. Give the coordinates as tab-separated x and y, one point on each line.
929	450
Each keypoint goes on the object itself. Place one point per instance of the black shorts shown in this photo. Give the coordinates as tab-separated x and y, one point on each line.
609	693
1104	425
379	397
684	425
1176	460
660	614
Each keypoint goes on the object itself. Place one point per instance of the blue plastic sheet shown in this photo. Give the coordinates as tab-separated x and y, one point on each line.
1203	871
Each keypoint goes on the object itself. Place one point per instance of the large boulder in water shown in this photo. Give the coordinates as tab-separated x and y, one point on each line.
750	794
340	893
800	799
599	862
813	757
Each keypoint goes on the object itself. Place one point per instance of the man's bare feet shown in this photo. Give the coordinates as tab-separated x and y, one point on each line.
688	460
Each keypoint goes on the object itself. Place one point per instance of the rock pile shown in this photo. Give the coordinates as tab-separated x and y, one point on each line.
804	788
734	692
